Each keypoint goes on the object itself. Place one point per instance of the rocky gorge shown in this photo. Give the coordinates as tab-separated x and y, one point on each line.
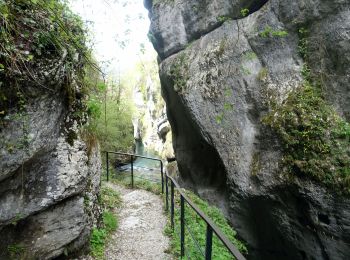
151	125
49	173
248	86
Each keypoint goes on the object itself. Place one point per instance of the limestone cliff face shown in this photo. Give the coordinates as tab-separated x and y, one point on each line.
221	63
47	188
151	125
49	176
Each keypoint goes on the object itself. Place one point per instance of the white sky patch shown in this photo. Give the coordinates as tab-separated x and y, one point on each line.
119	28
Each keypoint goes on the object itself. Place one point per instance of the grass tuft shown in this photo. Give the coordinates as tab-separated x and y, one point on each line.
109	199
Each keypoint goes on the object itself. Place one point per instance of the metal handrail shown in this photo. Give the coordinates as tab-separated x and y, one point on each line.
136	155
132	156
211	226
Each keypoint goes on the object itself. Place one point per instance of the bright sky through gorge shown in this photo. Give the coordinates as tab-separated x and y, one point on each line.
118	30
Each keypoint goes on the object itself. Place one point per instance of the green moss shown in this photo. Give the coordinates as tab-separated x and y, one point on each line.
269	32
16	219
179	73
250	55
263	73
223	18
316	140
34	36
244	12
314	137
219	118
16	251
246	71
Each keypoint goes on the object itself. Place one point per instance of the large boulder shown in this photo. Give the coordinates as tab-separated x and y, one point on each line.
219	81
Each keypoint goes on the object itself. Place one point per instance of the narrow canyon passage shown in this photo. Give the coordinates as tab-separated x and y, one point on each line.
141	224
236	111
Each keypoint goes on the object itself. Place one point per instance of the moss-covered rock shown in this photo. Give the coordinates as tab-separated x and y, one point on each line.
316	140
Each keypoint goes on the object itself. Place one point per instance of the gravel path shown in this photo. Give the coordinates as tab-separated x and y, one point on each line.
140	231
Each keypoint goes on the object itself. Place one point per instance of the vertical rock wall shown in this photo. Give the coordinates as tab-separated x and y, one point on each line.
49	176
221	64
48	190
151	125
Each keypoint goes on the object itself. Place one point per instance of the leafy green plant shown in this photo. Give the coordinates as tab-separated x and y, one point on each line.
97	242
110	110
16	219
223	18
109	200
244	12
198	231
36	35
303	42
269	32
250	55
109	221
219	117
228	107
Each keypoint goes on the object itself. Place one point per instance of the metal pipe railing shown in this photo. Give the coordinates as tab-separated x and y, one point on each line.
211	226
132	156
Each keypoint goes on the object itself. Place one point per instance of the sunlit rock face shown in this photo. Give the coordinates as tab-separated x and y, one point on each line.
151	126
220	67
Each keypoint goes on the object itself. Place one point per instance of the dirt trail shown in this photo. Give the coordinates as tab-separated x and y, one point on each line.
140	230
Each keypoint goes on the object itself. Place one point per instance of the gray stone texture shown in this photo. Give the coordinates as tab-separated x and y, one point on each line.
48	188
218	79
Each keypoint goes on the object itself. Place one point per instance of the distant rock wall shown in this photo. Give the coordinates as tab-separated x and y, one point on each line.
151	125
221	63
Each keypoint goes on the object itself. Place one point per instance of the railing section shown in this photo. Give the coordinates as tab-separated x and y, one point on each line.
211	226
132	157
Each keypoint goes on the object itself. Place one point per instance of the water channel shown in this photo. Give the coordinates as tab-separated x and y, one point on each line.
144	169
